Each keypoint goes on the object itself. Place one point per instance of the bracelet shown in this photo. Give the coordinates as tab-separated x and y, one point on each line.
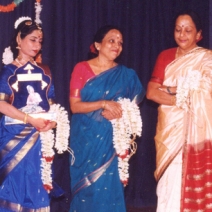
173	100
103	106
25	118
169	91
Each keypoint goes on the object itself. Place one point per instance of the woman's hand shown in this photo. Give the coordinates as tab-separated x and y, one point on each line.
112	110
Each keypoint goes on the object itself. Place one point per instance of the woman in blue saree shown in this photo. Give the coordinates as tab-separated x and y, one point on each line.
95	87
21	185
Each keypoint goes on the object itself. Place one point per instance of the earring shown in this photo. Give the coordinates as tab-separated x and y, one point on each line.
18	47
97	47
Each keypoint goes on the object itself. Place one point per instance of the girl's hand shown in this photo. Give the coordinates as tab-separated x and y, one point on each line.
41	124
49	125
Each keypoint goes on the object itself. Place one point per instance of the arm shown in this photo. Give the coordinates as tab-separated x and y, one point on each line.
14	113
111	108
159	93
79	77
156	91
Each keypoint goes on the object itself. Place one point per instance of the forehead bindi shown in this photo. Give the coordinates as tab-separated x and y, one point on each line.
36	36
114	34
185	21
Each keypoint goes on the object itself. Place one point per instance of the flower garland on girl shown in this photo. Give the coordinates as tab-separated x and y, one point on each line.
48	139
125	130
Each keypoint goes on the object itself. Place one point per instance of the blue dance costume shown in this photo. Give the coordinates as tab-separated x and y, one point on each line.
21	187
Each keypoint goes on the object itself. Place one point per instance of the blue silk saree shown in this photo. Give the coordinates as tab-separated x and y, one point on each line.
21	187
95	182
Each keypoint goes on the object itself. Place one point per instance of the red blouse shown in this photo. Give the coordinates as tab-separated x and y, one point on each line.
164	58
81	74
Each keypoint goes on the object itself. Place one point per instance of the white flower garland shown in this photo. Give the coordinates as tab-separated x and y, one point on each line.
130	124
7	56
38	9
48	141
184	86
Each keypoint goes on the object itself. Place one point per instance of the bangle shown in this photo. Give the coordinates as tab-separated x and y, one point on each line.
169	91
173	100
25	118
103	105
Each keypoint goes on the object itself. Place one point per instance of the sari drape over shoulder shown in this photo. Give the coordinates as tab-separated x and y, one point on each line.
95	181
189	130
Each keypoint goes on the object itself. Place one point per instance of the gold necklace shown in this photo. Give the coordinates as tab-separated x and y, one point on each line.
19	58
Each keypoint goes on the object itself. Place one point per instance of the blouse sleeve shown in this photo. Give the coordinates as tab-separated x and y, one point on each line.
80	75
158	72
164	58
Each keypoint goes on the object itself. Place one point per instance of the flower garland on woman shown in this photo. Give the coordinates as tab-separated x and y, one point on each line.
125	130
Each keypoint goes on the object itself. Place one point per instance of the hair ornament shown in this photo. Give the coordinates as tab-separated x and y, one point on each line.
7	56
21	19
93	49
38	9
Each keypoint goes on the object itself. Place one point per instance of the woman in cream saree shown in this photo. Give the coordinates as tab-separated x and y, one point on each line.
187	131
184	130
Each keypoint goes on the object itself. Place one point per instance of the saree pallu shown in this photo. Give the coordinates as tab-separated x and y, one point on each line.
189	131
95	181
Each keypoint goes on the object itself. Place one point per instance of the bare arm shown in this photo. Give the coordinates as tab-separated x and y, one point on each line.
113	108
159	94
14	113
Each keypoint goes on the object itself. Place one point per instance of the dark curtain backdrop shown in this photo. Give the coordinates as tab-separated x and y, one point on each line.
69	27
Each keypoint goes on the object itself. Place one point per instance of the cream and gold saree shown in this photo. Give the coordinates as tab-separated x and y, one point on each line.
188	130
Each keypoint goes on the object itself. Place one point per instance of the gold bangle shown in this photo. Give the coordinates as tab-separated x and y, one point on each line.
25	118
173	100
103	106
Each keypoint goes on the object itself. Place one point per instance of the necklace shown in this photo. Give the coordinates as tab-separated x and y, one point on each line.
19	59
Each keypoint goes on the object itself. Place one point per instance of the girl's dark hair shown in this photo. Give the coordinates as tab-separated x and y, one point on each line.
194	16
25	28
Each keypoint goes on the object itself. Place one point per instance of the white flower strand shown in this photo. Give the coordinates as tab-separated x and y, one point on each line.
63	128
184	86
130	124
7	56
38	9
48	141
